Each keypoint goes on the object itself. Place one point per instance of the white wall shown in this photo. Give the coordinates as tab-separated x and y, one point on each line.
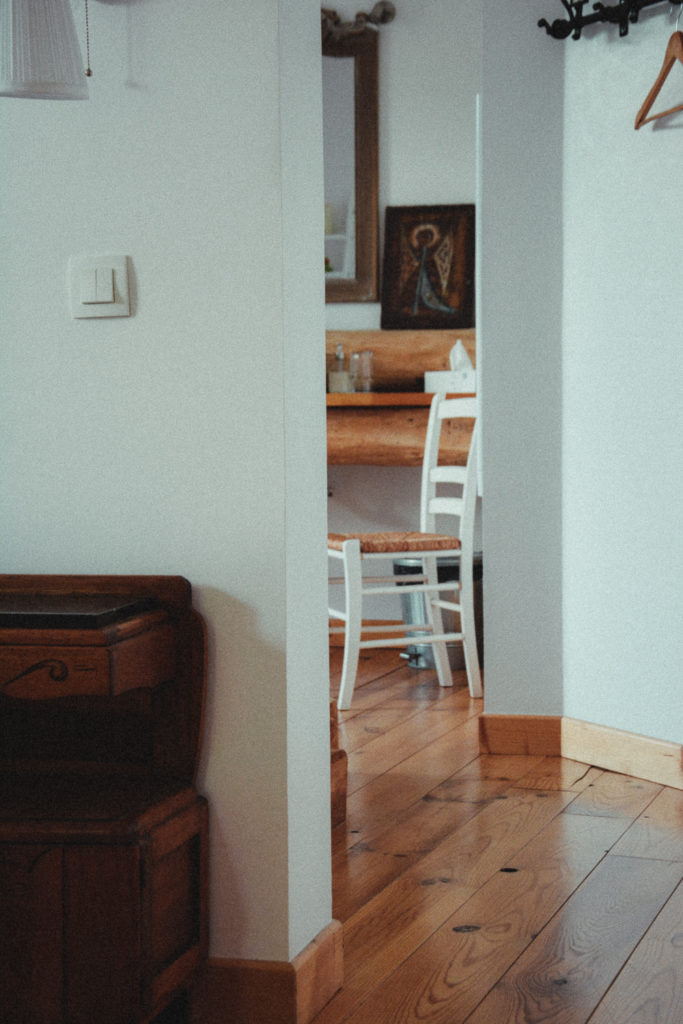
189	438
128	446
623	311
582	365
429	77
520	351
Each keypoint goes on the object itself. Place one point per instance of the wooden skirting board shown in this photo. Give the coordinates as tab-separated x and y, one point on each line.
598	745
271	992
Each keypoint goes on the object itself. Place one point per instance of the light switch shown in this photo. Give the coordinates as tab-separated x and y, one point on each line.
105	284
88	281
98	286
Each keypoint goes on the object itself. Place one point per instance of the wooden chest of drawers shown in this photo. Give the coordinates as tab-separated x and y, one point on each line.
100	901
103	838
76	644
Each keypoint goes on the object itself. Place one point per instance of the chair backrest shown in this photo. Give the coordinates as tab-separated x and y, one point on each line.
449	489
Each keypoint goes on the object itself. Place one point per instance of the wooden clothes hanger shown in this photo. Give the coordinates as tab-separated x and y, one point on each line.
674	52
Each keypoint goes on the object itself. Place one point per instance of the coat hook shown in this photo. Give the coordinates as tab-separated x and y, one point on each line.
623	13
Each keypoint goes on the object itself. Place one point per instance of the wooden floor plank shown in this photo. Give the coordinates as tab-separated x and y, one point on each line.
658	832
649	990
502	770
562	976
369	866
377	803
363	728
398	685
510	767
450	974
439	930
390	927
362	870
410	736
372	666
377	720
617	796
560	773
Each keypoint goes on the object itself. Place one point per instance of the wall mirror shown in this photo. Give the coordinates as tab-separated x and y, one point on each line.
350	148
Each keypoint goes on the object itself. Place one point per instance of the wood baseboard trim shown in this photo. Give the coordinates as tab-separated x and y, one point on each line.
520	734
598	745
625	752
271	992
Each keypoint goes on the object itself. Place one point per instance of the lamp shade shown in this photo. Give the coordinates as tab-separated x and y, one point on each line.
39	53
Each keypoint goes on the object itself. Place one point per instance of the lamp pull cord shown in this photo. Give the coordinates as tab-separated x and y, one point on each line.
88	69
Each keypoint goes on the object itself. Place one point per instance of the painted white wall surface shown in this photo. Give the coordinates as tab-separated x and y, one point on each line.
520	349
583	600
189	438
305	455
623	370
429	77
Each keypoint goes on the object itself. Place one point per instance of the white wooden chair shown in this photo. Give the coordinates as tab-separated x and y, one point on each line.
459	501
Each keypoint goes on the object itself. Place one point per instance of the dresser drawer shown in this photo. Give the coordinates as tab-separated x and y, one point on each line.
42	672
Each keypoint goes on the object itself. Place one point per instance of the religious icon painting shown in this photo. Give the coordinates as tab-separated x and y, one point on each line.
428	272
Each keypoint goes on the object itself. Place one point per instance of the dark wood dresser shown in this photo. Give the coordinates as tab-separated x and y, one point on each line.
103	837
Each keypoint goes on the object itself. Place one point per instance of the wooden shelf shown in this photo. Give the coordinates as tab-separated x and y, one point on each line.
374	399
400	358
359	399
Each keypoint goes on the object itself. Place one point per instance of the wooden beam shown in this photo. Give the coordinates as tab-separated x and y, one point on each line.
386	436
400	358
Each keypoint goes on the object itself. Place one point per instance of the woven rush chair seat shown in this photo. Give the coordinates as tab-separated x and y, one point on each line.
392	542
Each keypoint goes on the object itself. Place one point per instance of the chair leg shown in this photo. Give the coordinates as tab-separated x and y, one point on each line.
469	636
354	617
435	618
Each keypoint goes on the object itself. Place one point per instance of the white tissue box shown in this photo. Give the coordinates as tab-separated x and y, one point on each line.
451	381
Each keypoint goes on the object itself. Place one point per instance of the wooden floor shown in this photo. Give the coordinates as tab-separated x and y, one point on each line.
493	889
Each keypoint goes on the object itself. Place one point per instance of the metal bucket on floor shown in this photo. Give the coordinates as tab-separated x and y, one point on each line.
413	611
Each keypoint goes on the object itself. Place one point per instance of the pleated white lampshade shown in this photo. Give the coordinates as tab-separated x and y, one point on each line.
39	53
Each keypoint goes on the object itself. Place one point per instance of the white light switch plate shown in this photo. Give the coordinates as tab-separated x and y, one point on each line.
90	286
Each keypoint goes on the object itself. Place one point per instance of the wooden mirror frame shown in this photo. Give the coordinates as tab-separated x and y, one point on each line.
363	48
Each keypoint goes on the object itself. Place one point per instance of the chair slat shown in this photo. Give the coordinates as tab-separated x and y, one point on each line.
457	408
443	506
448	474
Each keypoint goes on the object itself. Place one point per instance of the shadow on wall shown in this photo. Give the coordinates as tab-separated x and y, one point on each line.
235	772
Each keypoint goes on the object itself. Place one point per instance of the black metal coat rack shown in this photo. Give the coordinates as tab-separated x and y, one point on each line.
623	14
